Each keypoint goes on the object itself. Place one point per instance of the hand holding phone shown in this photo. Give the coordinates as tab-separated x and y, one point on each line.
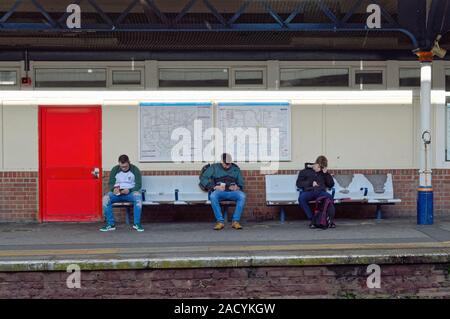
220	186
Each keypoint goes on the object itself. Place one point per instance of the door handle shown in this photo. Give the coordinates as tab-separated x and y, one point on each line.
96	172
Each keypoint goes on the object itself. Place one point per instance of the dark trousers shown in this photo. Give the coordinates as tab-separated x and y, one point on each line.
306	197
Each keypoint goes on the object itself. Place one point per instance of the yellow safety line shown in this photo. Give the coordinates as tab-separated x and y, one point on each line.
47	252
220	248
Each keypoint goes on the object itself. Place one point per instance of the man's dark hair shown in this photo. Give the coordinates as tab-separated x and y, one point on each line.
124	159
226	158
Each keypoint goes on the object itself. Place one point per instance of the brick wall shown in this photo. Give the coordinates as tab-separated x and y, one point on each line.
349	281
19	198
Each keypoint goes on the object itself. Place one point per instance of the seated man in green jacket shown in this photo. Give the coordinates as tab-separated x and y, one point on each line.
226	183
125	182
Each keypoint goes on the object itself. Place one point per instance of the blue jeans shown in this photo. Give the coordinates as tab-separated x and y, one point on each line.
235	196
306	197
109	199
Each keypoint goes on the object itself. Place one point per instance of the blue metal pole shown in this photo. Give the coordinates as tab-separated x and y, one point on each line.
425	189
425	205
282	215
127	215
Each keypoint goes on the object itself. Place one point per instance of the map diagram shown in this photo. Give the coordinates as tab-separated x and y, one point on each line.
257	117
157	124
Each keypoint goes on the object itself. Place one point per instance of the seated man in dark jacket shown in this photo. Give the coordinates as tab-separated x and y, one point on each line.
314	181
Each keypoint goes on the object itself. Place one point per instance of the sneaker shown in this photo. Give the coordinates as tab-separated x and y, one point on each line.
108	228
138	227
312	226
236	225
219	226
332	225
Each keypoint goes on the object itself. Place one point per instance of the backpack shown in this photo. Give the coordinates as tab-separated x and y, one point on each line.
202	171
321	218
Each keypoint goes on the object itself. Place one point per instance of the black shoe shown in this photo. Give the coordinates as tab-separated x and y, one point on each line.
312	226
332	225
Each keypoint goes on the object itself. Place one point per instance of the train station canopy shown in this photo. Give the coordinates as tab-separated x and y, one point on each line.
235	29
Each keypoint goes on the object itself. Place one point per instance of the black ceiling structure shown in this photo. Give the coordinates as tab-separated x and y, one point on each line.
221	30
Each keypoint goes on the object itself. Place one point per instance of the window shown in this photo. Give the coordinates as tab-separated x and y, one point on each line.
368	77
447	80
193	78
8	78
70	78
126	77
248	77
409	77
314	78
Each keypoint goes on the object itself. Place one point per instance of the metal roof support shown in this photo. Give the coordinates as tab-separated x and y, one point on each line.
102	13
238	13
299	9
215	12
328	12
44	13
124	14
385	13
184	11
348	15
152	6
10	12
274	14
232	25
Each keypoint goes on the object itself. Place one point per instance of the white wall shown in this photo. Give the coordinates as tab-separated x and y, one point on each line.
317	119
359	136
120	133
372	136
20	136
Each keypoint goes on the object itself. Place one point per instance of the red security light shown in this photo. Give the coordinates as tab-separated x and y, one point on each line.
26	80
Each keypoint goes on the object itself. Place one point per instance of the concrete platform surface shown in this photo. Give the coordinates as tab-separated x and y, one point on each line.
25	247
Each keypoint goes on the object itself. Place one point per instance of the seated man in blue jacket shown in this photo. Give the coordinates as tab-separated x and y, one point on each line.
314	181
226	183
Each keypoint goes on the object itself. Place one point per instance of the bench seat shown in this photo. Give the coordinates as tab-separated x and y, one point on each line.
374	189
172	190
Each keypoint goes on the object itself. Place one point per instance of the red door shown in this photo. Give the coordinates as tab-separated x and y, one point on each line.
70	163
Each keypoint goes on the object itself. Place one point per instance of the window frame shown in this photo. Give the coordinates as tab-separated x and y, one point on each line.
407	87
383	85
110	79
68	87
18	78
248	86
193	68
315	67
